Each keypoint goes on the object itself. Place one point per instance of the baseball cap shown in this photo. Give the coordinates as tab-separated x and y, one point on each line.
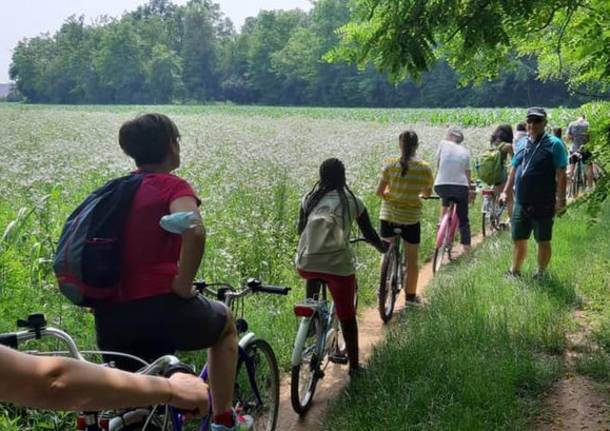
536	111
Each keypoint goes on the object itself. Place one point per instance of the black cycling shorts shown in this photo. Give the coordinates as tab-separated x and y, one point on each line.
411	233
157	326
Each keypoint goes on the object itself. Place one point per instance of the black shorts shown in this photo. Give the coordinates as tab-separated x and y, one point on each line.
411	233
156	326
586	156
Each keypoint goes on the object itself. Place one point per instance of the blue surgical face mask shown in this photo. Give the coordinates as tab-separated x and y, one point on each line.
179	222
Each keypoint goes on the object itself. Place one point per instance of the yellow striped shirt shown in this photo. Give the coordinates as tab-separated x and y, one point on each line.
402	204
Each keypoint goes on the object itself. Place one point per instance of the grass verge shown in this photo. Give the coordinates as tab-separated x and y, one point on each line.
486	348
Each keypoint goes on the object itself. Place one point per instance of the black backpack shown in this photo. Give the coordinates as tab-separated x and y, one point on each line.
88	259
537	186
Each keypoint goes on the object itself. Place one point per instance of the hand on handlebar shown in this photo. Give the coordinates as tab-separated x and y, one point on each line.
384	247
503	198
189	393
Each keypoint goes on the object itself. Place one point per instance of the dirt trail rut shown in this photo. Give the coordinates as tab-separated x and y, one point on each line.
371	332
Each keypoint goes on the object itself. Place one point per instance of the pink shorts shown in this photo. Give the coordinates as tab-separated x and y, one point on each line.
342	288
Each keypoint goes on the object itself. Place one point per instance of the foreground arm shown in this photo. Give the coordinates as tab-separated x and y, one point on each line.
67	384
191	251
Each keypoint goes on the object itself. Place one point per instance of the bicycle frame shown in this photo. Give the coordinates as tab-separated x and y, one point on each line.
318	307
448	227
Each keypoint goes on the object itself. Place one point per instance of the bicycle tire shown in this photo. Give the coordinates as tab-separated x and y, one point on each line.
438	258
267	377
484	218
387	291
304	376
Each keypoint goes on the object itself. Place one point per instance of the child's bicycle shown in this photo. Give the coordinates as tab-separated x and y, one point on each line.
256	387
393	269
318	342
491	212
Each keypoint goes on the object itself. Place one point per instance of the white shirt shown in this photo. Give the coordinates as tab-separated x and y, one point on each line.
453	162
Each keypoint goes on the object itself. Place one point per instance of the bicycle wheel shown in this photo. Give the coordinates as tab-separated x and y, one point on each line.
266	377
439	255
484	223
388	288
579	183
304	376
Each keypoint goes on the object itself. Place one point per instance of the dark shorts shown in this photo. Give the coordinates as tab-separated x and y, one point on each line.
586	157
523	225
342	288
411	233
157	326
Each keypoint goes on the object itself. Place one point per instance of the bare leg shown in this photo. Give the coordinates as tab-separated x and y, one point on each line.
519	254
350	335
590	176
412	274
544	255
222	362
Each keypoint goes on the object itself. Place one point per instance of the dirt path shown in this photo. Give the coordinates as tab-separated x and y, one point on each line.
371	333
574	402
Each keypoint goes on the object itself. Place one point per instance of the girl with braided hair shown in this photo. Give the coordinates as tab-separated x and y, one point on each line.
402	181
326	216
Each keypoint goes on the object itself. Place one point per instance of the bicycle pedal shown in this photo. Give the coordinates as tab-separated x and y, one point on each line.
338	359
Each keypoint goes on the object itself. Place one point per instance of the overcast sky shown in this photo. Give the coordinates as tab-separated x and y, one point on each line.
28	18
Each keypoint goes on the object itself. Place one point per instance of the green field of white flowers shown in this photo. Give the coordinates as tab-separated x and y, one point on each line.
250	166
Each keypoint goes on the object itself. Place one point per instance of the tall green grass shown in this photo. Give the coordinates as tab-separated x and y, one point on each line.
486	348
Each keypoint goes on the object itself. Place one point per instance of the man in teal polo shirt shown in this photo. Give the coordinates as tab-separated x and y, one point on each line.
538	175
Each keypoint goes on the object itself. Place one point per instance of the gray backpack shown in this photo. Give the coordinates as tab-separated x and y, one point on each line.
324	243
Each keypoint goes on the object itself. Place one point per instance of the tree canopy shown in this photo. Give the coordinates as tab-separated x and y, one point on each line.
569	39
165	53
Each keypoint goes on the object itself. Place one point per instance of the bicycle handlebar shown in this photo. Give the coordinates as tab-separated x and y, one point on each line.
356	240
227	294
431	197
164	366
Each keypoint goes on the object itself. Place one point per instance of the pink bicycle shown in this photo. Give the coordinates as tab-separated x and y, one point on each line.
445	235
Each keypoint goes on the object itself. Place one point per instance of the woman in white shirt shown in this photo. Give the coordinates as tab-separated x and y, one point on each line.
453	182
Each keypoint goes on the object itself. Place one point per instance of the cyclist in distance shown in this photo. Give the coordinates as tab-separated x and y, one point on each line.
520	138
402	181
326	216
453	181
157	311
578	135
67	384
502	140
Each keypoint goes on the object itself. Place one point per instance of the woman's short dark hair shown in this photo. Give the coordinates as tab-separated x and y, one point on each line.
522	127
503	133
147	138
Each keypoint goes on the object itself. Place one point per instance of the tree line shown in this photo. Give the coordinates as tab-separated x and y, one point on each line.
163	53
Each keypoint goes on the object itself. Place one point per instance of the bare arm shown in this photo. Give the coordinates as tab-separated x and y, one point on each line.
382	188
67	384
369	232
510	182
191	252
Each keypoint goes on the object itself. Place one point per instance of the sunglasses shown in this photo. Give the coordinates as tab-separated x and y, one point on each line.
534	120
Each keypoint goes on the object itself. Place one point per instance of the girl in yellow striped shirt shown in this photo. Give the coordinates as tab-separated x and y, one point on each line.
402	181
